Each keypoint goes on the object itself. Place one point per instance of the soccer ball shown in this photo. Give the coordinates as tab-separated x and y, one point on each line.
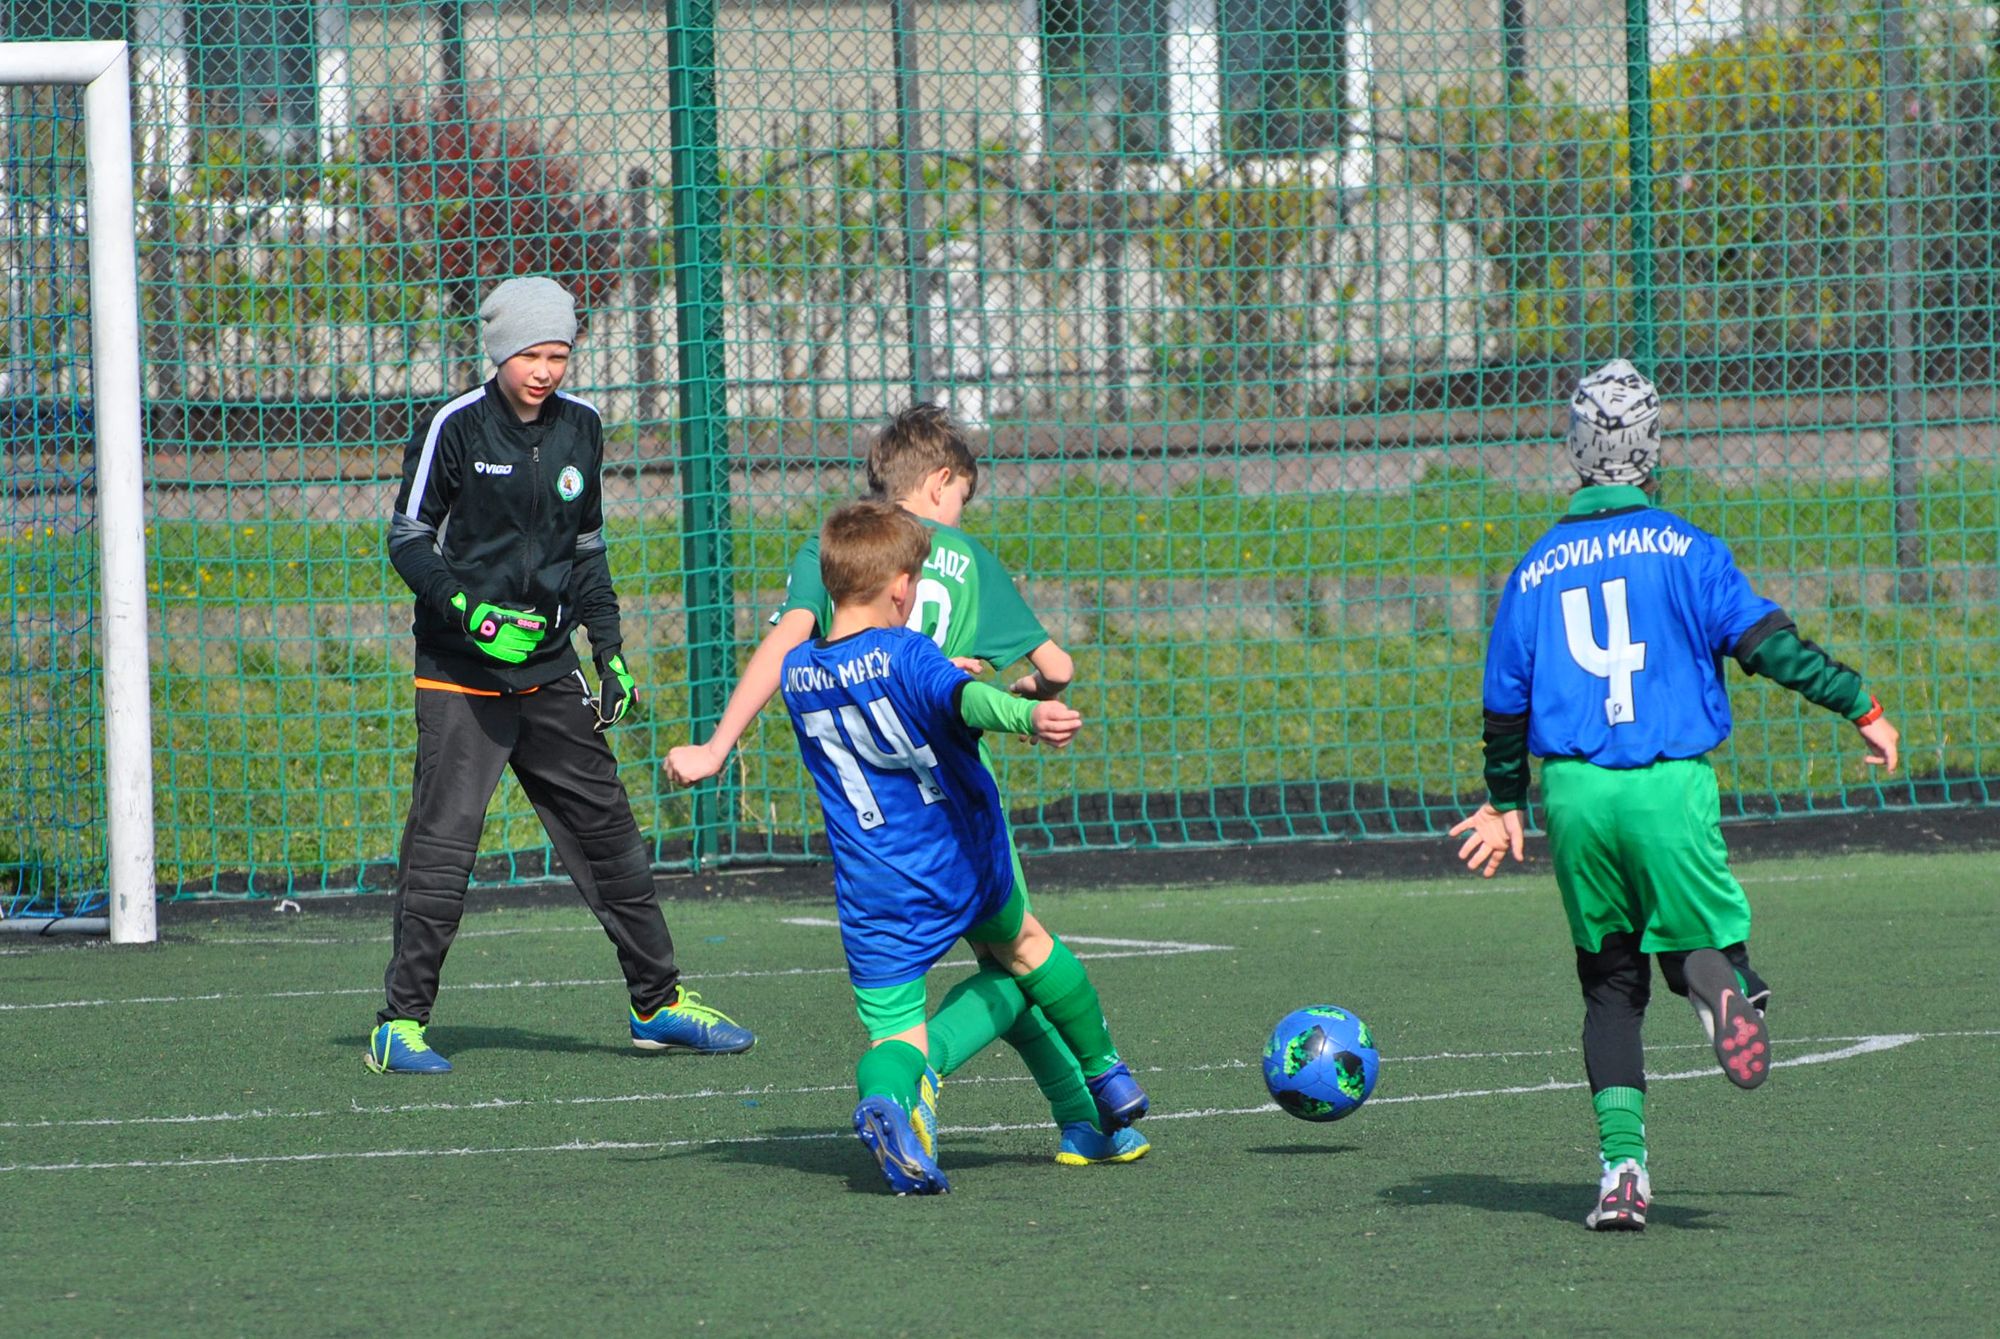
1320	1063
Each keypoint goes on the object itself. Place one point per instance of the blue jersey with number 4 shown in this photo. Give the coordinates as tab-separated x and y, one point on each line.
919	840
1610	637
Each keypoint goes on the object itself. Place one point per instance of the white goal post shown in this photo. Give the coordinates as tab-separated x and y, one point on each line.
103	71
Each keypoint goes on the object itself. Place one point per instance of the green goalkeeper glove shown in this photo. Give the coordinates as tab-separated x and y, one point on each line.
508	635
617	692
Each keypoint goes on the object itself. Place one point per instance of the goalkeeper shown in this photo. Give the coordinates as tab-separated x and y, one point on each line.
1606	663
499	530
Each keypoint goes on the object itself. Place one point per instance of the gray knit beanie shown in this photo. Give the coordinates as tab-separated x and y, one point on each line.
522	313
1614	425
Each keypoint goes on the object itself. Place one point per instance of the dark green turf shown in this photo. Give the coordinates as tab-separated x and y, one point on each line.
1844	1198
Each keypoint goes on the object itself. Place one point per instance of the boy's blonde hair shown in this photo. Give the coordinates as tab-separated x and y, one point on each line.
865	545
914	445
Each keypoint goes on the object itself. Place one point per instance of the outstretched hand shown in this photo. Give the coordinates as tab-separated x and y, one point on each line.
1056	724
1494	835
1881	738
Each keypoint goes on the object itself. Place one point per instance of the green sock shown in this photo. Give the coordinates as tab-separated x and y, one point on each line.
892	1070
973	1015
988	1007
1056	1071
1062	990
1621	1124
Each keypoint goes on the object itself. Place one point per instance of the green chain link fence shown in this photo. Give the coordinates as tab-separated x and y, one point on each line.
1264	313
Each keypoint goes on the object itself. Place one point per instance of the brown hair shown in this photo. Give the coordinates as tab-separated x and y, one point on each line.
865	545
914	445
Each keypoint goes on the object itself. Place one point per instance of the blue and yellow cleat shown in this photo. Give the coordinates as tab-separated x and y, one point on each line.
1083	1145
400	1048
1120	1100
924	1119
689	1025
885	1128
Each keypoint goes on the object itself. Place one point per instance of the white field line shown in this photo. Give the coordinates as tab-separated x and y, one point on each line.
1865	1046
1184	895
1193	894
383	939
1160	948
1862	1044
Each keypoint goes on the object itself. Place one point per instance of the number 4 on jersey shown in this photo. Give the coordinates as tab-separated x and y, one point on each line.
1618	659
904	754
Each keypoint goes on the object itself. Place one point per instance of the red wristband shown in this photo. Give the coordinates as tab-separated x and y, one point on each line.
1872	715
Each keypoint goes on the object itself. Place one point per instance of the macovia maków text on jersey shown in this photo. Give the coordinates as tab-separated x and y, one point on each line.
1664	540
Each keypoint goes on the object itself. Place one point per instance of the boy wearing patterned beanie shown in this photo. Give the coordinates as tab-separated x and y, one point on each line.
1606	663
499	532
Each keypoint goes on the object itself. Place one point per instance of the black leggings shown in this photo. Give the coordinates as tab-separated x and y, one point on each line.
1617	985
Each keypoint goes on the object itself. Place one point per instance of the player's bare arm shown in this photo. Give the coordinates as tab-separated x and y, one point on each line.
687	764
1054	671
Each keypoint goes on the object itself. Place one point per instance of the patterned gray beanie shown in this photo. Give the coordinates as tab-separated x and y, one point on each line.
1614	425
522	313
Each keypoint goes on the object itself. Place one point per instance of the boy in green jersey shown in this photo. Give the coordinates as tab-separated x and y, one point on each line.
968	605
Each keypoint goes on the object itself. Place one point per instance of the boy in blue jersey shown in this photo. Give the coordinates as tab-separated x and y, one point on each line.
1606	663
889	729
968	604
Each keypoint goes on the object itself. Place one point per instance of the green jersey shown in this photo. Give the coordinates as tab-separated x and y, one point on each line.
966	602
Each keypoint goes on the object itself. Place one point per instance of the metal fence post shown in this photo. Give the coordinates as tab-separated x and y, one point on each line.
693	132
1899	151
1639	163
916	229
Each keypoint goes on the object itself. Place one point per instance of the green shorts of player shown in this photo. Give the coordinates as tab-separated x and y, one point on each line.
889	1011
1640	849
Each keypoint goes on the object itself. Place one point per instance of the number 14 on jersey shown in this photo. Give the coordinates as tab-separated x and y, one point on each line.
904	754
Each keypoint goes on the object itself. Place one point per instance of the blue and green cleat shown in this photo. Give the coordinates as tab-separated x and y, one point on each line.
689	1025
1084	1145
885	1128
399	1048
924	1119
1120	1100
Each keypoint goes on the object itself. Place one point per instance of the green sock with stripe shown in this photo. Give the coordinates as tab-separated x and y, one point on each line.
1621	1124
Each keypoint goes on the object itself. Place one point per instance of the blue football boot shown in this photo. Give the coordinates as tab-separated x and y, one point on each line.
885	1128
689	1025
1084	1146
1120	1100
400	1048
924	1119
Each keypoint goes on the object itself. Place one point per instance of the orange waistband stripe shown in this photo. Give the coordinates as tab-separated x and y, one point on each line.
439	685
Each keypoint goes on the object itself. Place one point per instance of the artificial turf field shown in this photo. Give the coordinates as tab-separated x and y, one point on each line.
189	1142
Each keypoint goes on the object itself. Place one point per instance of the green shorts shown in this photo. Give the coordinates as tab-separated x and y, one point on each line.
888	1011
1641	849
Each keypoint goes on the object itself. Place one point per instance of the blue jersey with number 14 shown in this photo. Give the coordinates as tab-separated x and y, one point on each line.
1610	637
919	841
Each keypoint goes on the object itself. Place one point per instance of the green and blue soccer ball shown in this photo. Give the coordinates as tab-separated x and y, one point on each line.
1320	1063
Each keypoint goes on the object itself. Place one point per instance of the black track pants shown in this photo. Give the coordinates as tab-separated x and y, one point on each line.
463	744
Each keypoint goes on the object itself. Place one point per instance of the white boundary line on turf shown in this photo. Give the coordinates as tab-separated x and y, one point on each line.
362	940
1162	949
768	1090
1865	1046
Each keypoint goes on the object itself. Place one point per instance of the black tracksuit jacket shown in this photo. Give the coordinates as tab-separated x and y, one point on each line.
511	514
